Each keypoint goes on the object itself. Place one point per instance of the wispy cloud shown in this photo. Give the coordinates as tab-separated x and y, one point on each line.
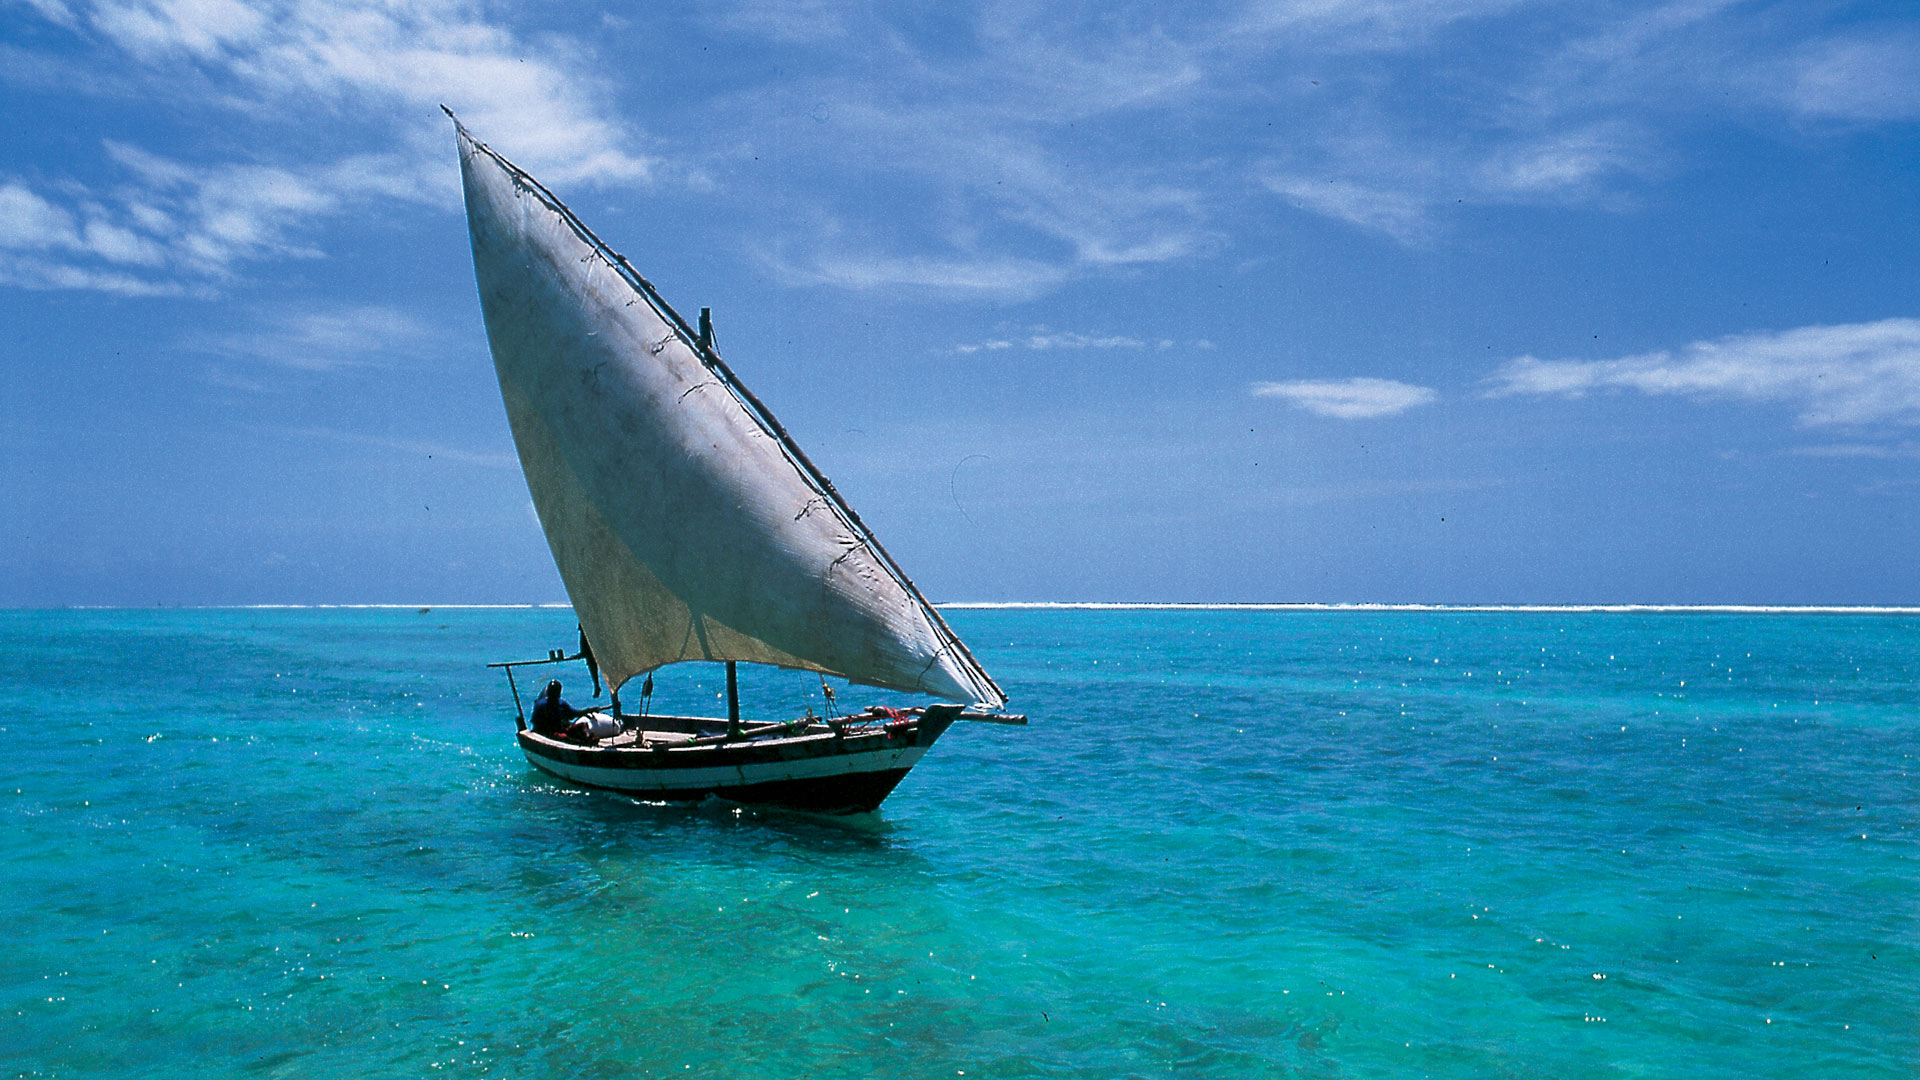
54	11
405	56
1043	143
170	228
171	225
1361	25
39	241
991	184
1905	450
1040	339
29	222
1576	107
1007	278
1857	77
1854	373
1566	165
409	447
1006	142
1396	214
321	340
794	22
997	151
1349	399
35	272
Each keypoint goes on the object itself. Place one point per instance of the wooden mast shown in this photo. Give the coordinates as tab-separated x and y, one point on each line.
733	673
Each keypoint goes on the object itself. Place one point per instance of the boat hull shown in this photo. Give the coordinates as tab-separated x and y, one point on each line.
826	772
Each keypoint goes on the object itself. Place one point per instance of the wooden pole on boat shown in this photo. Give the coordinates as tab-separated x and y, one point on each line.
733	701
519	712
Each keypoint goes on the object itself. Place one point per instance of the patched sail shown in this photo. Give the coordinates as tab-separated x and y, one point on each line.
685	523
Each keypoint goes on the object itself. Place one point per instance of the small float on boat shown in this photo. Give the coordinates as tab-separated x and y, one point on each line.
688	526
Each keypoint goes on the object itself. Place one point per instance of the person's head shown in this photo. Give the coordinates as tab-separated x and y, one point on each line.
553	690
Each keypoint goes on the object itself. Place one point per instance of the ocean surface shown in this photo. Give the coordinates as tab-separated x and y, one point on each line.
303	843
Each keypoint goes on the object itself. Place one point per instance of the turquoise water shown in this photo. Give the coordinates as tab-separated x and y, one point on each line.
303	843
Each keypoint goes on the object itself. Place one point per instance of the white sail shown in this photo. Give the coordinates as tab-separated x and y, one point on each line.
685	523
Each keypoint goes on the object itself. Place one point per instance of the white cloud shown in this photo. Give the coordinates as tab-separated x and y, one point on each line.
1349	399
993	345
1032	145
175	228
38	240
204	29
1041	339
1855	373
1071	340
29	221
533	101
180	226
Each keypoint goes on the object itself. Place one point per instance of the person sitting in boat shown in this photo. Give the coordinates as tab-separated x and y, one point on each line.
556	719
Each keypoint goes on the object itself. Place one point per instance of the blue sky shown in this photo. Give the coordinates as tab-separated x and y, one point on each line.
1340	300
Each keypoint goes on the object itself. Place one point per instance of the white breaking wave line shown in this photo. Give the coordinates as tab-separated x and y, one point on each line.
1725	609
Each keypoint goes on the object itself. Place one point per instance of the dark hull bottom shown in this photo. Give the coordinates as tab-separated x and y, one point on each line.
854	793
823	768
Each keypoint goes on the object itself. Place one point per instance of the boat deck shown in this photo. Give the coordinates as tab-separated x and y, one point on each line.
653	732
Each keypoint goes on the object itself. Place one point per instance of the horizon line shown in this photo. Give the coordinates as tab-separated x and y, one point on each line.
1732	609
1118	605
